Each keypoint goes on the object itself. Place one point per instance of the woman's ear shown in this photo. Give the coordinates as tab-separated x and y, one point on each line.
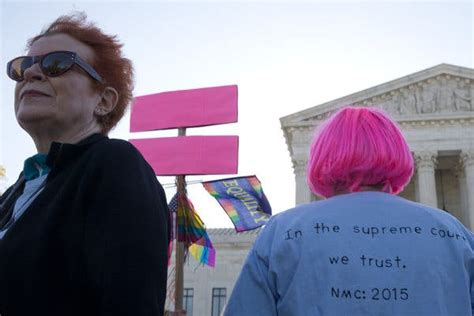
107	102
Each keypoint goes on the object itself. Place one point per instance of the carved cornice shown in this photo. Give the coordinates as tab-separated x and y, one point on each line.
299	128
425	159
437	122
465	119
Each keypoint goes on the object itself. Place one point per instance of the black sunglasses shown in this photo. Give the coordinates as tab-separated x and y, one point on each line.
52	65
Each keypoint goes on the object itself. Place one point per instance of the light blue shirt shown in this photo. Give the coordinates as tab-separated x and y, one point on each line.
35	172
367	253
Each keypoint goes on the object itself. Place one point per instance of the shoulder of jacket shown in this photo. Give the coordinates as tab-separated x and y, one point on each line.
113	146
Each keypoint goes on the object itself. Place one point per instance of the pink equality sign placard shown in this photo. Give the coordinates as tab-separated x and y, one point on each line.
184	108
186	155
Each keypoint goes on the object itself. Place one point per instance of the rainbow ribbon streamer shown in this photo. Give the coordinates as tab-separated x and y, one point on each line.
204	254
192	232
243	200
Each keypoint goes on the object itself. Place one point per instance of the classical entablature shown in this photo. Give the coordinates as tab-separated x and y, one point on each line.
435	109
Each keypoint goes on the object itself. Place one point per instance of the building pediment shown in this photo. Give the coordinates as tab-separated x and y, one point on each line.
441	92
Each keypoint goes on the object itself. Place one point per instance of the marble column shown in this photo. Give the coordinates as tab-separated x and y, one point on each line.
303	193
467	160
425	165
461	176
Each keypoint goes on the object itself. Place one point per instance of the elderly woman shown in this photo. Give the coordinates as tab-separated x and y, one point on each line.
363	250
84	230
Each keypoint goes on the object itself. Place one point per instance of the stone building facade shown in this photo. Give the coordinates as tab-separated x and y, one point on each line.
435	109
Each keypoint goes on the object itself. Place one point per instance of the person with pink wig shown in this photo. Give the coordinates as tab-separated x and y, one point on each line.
363	250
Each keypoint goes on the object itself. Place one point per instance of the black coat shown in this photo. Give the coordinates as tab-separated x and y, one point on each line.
94	242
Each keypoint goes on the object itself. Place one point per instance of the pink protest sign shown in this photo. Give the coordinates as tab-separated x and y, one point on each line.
184	108
185	155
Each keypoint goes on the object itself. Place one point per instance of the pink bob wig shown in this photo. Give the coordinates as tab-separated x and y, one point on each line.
358	147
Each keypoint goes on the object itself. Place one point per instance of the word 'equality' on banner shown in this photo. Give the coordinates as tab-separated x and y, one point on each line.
243	200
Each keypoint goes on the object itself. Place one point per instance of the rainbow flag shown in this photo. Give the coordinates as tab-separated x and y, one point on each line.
192	232
243	200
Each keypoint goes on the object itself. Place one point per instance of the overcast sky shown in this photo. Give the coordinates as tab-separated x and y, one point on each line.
284	56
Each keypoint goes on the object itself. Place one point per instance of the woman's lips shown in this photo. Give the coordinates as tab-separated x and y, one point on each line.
33	93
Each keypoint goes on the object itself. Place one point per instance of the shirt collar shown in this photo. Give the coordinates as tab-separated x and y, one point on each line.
35	166
62	153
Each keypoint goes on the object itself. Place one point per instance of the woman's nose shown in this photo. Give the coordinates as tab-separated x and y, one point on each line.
34	73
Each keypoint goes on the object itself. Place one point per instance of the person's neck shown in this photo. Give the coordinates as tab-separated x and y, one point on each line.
374	188
44	139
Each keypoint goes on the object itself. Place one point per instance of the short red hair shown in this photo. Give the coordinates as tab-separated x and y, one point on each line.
357	147
109	62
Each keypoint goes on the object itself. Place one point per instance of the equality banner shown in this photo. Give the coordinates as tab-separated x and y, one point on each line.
243	200
184	108
186	155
